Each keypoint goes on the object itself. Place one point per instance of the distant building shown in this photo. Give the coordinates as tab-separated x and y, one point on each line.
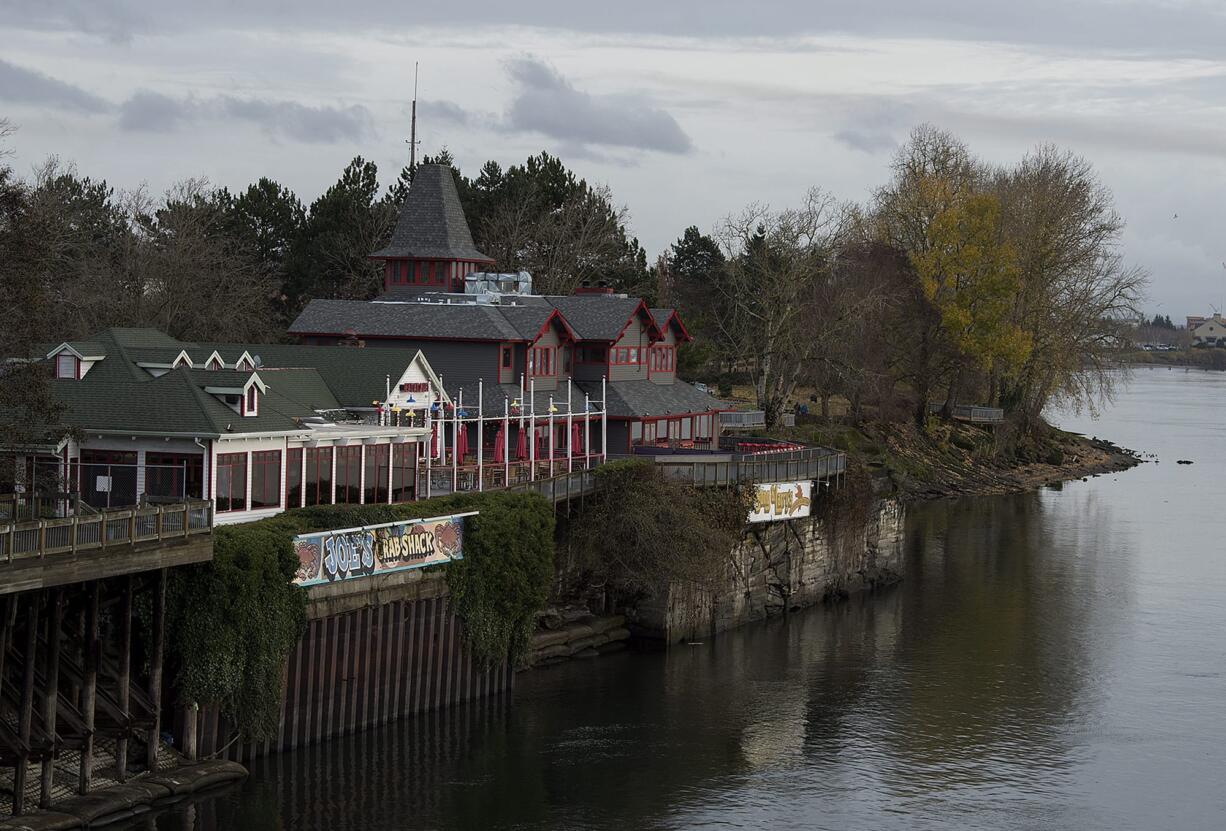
1194	321
1210	332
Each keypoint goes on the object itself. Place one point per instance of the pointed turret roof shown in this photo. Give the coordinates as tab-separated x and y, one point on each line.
432	223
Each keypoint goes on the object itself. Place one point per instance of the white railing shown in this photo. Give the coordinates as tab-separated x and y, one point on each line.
742	419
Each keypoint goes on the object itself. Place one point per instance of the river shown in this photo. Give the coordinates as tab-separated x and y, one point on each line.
1052	660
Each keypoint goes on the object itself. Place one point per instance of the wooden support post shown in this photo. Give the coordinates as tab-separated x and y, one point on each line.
25	718
155	667
89	692
51	696
125	676
6	629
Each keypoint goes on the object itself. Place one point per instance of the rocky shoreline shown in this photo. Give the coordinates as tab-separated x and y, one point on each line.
139	796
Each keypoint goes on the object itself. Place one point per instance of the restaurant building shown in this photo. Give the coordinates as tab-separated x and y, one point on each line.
498	344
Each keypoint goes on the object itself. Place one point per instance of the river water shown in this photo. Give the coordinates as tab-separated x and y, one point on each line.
1052	660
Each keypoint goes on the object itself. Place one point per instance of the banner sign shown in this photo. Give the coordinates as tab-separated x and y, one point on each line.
782	500
329	556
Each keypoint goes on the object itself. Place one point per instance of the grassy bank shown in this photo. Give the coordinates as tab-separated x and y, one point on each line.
950	459
1196	358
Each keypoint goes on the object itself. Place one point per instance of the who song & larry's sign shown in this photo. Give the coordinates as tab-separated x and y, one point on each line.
329	556
782	500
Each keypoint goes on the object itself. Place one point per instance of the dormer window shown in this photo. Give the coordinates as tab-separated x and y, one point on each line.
244	365
251	403
213	365
67	365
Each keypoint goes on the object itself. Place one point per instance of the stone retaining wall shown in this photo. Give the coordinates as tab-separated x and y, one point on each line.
586	637
777	567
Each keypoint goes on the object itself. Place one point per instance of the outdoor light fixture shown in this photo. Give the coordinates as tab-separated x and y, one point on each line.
552	408
410	399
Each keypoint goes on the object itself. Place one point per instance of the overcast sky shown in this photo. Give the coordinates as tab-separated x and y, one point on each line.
688	109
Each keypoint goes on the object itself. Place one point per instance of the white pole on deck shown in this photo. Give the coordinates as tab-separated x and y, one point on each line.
532	430
551	409
455	441
480	433
587	432
570	429
430	428
506	442
604	421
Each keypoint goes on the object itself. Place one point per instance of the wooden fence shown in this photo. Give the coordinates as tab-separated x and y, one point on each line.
38	538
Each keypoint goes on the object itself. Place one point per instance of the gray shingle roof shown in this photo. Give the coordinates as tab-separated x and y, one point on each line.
596	316
431	221
645	398
405	320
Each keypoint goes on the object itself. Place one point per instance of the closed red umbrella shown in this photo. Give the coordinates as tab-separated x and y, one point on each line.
499	445
576	438
434	440
461	449
521	446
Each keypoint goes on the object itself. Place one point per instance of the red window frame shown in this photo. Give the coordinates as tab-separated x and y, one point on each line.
662	358
404	472
265	479
621	356
251	404
377	460
543	356
349	474
231	479
592	355
317	483
293	477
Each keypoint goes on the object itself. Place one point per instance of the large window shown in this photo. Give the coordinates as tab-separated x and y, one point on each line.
663	359
319	476
293	478
404	472
377	460
349	474
627	356
592	355
231	482
541	361
266	479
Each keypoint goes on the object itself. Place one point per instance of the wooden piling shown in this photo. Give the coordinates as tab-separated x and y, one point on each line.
155	668
51	695
89	690
125	677
25	718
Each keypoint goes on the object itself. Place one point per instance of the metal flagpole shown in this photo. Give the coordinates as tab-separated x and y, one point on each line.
480	433
570	429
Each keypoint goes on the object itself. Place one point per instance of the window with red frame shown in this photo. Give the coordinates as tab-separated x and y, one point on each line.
623	356
404	472
319	476
293	477
348	474
542	361
266	479
376	473
231	482
663	358
252	407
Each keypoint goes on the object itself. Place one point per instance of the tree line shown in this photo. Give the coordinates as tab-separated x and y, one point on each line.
958	281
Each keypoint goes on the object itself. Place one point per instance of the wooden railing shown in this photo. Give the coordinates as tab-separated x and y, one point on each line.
39	538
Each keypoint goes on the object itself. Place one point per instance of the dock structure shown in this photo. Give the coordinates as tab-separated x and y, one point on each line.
78	709
971	413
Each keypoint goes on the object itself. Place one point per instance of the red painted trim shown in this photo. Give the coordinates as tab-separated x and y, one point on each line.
651	320
569	332
432	339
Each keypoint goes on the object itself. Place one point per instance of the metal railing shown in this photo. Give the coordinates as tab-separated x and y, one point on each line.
797	465
560	488
742	419
973	413
101	530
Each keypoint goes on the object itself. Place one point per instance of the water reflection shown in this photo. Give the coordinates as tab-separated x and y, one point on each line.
1052	660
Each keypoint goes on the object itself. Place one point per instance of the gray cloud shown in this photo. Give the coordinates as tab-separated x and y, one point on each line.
25	86
545	102
148	111
1150	26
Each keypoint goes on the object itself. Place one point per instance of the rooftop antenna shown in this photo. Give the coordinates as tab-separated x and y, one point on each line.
413	125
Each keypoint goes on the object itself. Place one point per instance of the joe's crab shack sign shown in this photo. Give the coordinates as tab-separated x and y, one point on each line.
329	556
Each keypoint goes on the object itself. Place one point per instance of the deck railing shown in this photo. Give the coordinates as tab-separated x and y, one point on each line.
742	419
83	532
972	413
793	466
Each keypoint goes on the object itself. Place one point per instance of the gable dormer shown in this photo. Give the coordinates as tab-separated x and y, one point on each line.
182	359
215	362
245	362
242	395
70	363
